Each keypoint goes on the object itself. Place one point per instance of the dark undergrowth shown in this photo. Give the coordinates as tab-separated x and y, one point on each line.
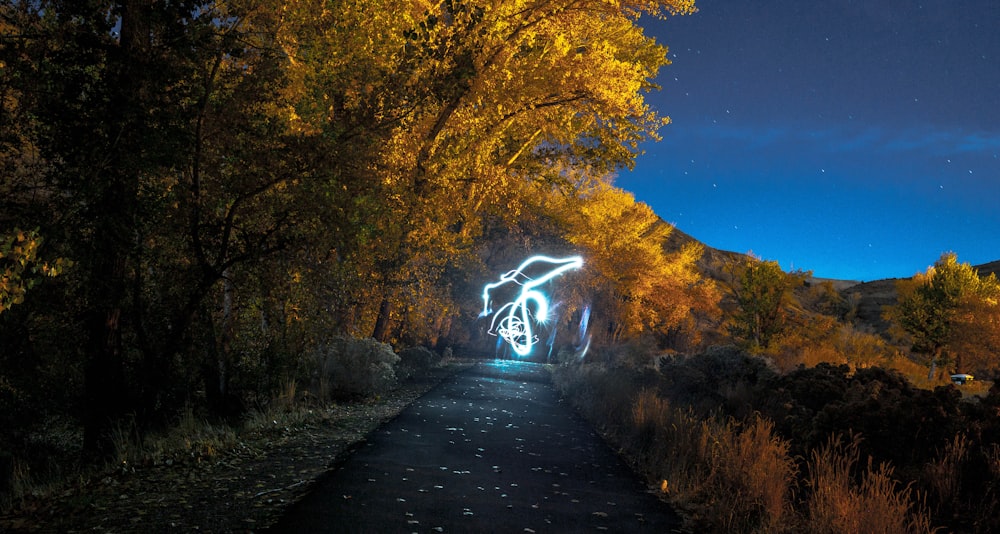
38	462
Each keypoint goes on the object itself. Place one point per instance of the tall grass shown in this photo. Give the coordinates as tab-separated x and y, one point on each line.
838	505
191	439
944	474
738	477
342	368
664	440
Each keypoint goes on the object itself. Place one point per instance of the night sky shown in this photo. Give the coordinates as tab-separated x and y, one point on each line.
856	139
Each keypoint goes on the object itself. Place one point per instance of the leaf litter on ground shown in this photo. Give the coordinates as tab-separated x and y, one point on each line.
248	486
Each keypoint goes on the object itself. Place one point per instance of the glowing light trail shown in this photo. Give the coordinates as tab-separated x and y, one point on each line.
515	326
583	335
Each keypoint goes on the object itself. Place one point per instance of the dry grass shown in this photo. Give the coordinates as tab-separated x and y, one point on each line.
666	439
944	475
223	471
993	459
759	464
976	388
192	438
837	505
738	477
21	483
915	372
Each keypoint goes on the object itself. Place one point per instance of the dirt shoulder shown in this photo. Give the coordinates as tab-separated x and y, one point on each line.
242	489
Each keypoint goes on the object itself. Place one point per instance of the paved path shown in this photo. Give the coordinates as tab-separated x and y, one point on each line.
491	449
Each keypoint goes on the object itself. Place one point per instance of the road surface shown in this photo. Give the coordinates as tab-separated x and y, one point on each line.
491	449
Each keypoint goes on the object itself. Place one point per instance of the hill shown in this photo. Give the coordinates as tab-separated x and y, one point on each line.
987	269
870	297
712	259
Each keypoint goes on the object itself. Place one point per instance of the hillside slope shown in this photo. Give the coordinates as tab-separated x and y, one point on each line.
871	297
712	259
987	269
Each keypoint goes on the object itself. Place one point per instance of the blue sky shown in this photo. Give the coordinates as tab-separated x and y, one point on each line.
856	139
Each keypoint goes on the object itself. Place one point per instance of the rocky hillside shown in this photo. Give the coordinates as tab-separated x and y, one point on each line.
992	267
870	298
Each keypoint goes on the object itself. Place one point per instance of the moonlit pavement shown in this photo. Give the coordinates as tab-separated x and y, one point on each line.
491	449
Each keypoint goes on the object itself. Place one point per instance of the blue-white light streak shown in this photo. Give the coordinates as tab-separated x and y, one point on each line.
583	336
515	327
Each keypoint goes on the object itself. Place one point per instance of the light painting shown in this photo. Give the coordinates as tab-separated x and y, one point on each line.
513	321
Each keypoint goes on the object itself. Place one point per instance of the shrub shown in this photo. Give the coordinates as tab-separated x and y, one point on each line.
414	359
602	394
901	424
739	447
356	367
721	377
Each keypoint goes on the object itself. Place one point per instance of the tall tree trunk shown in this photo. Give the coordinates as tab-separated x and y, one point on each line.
381	330
114	209
104	375
221	399
934	360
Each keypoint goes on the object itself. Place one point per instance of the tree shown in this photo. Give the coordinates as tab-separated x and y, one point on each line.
470	102
237	179
932	304
634	285
862	350
762	293
123	98
84	87
975	334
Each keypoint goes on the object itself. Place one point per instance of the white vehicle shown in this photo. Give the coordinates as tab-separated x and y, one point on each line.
962	379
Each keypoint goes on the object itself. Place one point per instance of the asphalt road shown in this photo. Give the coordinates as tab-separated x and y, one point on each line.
492	449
